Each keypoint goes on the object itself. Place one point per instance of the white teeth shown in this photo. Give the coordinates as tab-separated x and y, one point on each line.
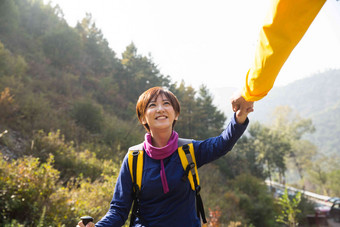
161	117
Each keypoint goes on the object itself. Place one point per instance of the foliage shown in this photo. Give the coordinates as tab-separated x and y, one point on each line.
242	160
300	157
35	112
199	118
62	47
334	181
289	209
244	199
254	200
8	106
186	121
323	176
9	17
271	148
73	70
68	161
316	98
100	57
88	115
306	207
210	120
291	124
26	187
10	64
31	188
293	128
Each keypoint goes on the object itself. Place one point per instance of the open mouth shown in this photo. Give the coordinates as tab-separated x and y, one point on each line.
161	117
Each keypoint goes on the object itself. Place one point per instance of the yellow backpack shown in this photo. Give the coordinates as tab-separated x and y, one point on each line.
188	160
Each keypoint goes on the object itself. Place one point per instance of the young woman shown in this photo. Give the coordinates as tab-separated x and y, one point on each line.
165	199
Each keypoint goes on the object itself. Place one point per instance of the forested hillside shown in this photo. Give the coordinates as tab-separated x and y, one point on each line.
316	97
56	77
67	118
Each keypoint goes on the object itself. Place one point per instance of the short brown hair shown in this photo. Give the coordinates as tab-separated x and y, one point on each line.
145	98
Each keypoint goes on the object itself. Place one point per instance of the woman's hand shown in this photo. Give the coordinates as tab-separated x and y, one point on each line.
241	107
242	113
90	224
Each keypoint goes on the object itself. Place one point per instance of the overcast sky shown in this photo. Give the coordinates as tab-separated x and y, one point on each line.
208	42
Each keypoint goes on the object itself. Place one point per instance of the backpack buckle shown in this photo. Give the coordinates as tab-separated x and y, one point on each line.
185	147
190	166
135	153
198	189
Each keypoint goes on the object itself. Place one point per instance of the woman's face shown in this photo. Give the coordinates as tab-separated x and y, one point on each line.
159	114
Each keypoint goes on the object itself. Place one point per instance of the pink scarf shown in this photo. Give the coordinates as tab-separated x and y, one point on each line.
160	153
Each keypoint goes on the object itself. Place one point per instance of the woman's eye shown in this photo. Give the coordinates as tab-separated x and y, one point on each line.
152	104
166	103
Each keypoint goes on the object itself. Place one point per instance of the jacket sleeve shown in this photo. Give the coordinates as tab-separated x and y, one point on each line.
122	199
284	26
211	149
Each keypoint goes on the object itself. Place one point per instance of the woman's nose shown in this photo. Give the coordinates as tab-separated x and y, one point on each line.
160	108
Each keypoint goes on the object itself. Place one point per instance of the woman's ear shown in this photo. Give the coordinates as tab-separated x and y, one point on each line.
143	121
176	118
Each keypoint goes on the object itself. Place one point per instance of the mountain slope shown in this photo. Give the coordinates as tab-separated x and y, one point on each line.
316	97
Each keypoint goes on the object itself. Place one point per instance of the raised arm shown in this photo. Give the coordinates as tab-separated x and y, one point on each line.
284	26
213	148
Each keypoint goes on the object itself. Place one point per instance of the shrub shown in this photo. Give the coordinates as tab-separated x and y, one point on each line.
68	161
88	115
26	186
7	106
32	195
289	209
254	200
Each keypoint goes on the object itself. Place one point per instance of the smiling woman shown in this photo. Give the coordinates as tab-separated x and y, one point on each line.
163	188
157	102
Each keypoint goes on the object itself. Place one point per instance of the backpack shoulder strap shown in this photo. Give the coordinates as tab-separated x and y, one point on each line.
188	160
135	160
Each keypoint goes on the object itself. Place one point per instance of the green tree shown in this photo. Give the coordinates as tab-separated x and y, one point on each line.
142	71
199	118
11	65
289	209
334	181
300	156
186	125
270	147
291	128
98	54
209	119
254	200
9	19
243	159
318	175
290	124
63	47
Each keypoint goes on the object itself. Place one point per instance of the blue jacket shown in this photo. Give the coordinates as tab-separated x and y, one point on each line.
177	207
